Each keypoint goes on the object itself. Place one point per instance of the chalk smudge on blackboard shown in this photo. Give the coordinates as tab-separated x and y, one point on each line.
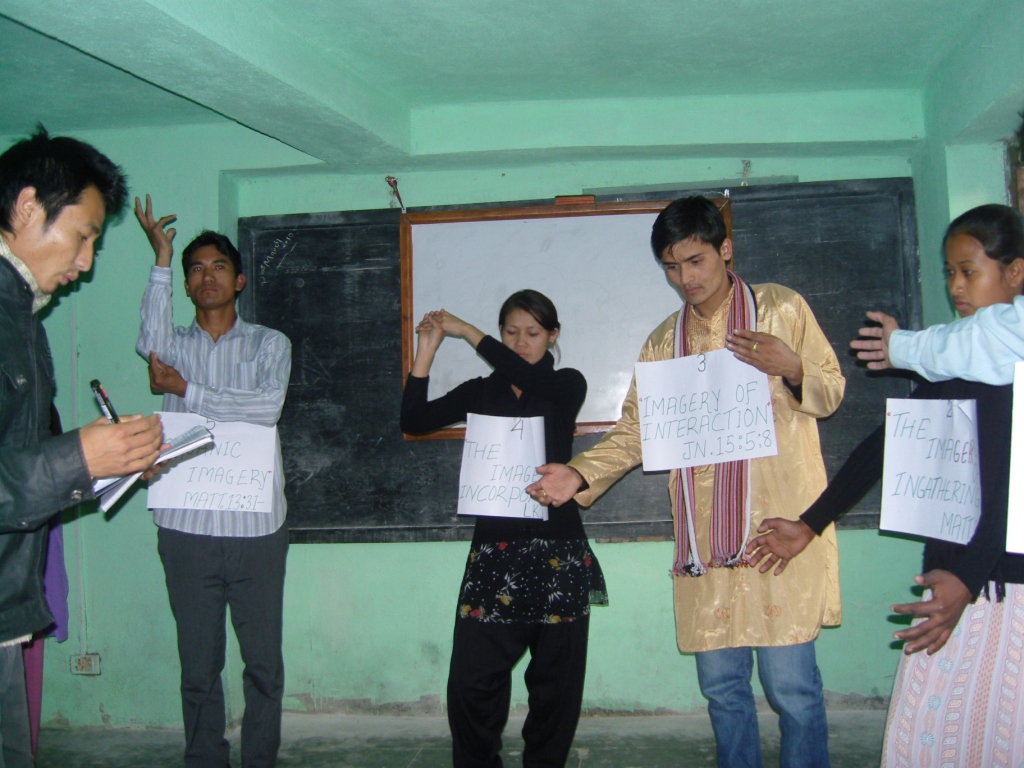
277	247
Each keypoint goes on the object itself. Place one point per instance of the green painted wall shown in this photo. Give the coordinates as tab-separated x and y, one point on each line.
975	175
368	625
971	103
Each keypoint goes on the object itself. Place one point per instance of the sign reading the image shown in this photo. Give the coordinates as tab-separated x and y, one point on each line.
930	481
235	473
701	409
499	459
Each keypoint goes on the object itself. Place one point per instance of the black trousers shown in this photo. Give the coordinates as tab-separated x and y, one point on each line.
480	689
204	575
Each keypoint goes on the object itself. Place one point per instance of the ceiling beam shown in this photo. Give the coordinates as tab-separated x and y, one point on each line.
237	65
779	119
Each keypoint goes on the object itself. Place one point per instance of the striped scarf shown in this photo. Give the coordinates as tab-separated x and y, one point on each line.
730	511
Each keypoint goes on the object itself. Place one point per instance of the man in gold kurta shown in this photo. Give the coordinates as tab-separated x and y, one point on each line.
726	612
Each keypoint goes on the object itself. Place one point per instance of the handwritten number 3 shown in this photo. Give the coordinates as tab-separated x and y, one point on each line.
701	364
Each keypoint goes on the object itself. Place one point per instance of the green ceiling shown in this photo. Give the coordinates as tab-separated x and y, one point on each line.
65	89
457	52
369	84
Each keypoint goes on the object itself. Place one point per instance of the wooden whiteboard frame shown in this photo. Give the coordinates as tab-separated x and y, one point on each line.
408	220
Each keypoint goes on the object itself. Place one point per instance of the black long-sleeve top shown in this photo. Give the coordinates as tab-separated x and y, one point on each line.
984	557
557	395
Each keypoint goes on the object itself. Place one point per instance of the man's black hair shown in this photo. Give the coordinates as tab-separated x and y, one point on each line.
59	168
217	240
685	218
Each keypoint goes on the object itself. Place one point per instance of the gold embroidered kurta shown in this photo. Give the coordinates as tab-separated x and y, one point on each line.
736	607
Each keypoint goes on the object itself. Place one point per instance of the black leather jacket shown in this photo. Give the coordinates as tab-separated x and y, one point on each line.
39	474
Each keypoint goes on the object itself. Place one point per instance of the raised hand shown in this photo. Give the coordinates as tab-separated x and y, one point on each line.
873	343
941	612
160	239
780	542
769	354
429	335
429	331
455	326
164	378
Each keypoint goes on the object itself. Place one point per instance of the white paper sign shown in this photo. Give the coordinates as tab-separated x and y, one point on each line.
931	485
499	459
235	473
1015	505
703	409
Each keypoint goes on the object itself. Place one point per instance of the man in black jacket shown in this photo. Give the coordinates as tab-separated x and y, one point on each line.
55	194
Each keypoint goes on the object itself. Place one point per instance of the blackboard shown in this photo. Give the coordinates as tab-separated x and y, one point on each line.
330	282
580	256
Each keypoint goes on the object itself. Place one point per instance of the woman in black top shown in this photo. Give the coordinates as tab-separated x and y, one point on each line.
984	251
528	583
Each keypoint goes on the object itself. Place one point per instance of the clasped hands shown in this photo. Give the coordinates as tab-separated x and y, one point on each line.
439	323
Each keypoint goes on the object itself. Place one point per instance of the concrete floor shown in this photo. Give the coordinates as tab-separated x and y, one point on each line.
347	741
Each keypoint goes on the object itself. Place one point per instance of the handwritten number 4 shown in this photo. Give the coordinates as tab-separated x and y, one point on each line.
518	427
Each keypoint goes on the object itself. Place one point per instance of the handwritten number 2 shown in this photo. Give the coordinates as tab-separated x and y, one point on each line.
701	364
949	413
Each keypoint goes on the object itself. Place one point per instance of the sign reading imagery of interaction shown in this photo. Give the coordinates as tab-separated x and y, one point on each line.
701	409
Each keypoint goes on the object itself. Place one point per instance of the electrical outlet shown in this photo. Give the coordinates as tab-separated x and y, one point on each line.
88	664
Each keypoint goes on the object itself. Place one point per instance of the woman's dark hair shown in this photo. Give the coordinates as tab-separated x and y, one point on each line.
686	218
998	228
218	241
59	168
534	302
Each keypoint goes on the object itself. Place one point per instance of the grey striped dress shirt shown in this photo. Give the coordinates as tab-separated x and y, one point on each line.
243	376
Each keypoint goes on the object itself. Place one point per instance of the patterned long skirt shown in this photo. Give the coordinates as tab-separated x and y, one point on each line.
964	706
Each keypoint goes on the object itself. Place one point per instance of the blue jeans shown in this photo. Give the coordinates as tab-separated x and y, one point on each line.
792	683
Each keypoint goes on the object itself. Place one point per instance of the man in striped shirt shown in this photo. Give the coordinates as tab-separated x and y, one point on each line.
225	369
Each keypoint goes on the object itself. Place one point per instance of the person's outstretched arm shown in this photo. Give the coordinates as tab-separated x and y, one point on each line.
983	347
781	540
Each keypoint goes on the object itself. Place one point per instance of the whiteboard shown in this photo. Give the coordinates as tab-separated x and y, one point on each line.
598	269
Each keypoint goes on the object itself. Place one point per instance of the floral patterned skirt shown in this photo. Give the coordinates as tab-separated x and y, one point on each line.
531	581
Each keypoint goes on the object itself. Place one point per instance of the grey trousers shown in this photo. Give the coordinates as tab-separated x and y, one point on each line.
205	575
15	737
